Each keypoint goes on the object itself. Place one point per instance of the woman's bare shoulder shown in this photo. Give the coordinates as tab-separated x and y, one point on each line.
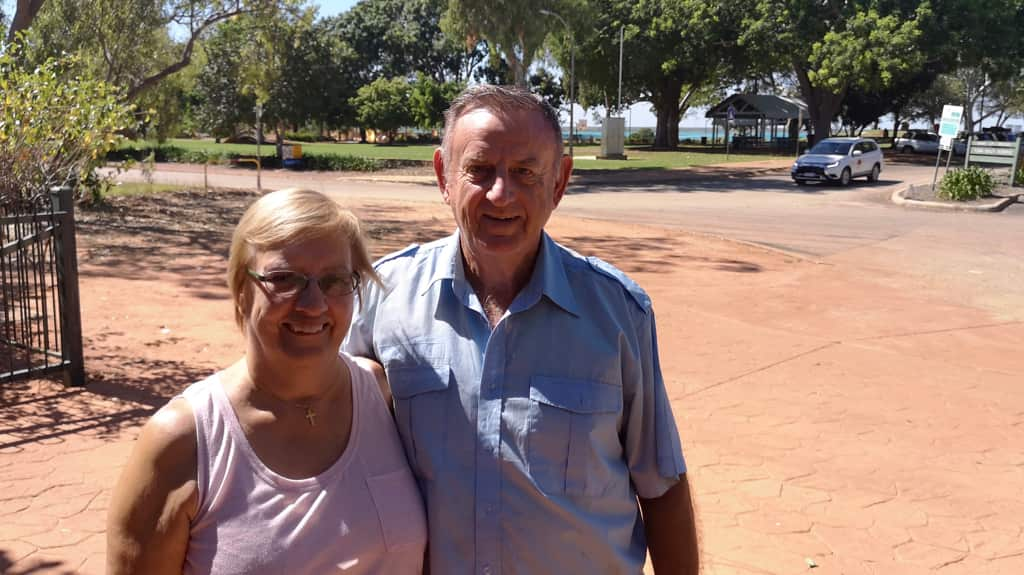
378	373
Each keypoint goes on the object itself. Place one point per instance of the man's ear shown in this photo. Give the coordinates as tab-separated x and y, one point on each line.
439	171
562	181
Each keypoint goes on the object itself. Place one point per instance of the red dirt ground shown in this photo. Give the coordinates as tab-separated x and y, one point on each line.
822	416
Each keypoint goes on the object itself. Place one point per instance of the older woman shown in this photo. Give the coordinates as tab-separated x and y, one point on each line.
287	461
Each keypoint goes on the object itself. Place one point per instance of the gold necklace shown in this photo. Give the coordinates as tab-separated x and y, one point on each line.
308	407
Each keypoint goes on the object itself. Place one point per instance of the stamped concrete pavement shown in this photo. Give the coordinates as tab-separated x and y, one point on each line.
838	416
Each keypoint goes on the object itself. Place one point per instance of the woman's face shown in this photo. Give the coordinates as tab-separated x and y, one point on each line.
309	325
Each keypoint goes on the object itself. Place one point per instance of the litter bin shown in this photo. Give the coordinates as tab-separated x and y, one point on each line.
703	140
291	156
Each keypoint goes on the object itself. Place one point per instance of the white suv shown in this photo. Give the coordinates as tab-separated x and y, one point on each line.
914	142
839	160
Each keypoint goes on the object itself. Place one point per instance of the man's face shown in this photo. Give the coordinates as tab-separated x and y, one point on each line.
504	179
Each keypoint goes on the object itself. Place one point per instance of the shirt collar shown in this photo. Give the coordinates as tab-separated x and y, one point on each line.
548	277
447	265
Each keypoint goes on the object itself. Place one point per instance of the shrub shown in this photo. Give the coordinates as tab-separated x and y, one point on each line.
55	127
967	184
167	153
307	135
1018	178
330	162
641	137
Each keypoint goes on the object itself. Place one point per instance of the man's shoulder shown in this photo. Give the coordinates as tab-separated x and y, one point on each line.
605	274
411	255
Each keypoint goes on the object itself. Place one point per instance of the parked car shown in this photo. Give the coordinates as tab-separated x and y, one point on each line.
918	142
839	160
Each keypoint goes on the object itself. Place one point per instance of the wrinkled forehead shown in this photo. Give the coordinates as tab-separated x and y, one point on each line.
485	132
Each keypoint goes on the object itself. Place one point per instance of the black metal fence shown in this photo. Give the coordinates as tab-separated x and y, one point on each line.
42	325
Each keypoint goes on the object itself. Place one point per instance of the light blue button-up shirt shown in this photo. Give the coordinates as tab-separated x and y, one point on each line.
531	440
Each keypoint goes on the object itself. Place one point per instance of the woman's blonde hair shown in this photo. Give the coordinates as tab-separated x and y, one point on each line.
287	217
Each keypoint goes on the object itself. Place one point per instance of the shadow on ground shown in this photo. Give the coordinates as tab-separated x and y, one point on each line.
44	411
652	254
49	566
681	182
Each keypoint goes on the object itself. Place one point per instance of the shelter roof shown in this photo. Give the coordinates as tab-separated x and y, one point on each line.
759	106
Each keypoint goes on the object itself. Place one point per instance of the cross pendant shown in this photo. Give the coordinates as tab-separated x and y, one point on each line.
310	416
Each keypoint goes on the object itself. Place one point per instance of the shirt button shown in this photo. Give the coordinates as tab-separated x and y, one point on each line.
487	570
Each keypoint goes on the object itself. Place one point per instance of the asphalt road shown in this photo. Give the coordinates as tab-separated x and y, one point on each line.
977	257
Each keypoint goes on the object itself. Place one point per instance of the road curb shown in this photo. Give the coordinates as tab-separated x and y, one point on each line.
899	199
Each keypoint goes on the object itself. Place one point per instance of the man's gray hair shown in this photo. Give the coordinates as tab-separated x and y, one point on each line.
499	100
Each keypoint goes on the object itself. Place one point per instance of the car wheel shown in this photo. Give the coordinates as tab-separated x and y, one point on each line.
907	150
873	176
845	177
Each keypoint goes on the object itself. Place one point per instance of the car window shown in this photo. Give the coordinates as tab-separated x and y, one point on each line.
831	148
870	147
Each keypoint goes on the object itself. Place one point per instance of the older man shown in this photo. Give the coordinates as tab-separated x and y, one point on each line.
526	381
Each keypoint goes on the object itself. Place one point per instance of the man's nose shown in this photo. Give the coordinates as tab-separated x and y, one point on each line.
502	191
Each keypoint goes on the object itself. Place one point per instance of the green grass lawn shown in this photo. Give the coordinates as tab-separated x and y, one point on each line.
637	158
133	188
396	152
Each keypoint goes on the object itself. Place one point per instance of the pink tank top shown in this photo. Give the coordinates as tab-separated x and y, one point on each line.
362	515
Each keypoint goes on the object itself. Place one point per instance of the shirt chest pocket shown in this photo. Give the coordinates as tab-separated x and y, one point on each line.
420	392
573	441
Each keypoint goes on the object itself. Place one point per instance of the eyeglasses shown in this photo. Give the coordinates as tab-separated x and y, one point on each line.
288	284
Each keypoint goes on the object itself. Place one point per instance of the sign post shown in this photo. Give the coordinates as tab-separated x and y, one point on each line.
948	128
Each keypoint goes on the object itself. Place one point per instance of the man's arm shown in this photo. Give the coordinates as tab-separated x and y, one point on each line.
671	530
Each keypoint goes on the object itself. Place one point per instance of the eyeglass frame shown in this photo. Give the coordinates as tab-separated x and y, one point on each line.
264	278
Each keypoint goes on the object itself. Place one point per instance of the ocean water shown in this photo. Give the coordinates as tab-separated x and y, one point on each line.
684	133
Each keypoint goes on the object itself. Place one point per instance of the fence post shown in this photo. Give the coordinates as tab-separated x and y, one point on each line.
67	260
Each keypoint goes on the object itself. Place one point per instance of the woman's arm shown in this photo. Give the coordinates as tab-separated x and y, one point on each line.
156	497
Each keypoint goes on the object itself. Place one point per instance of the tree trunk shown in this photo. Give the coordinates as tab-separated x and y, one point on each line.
822	105
24	13
895	127
518	69
666	105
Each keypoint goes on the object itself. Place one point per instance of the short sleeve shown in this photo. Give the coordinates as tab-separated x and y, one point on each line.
652	448
359	340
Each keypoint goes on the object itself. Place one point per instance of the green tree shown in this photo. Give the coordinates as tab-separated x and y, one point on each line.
224	101
514	29
835	44
56	125
384	105
403	37
674	51
428	99
300	74
547	86
979	41
129	43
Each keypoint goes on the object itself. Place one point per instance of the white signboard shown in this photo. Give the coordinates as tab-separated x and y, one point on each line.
950	124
